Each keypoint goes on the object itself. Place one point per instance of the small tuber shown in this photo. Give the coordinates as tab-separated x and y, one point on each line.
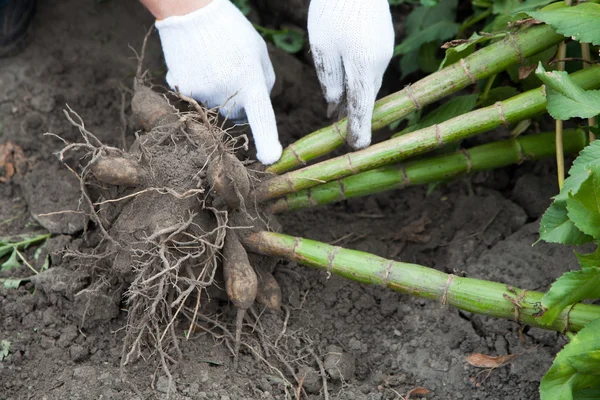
240	283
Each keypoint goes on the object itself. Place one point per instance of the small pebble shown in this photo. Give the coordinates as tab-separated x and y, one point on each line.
312	381
162	385
339	365
78	352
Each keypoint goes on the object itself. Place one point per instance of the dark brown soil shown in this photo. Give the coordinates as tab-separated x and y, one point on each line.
66	339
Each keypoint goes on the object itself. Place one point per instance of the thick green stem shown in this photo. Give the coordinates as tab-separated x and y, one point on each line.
468	294
433	169
514	48
523	106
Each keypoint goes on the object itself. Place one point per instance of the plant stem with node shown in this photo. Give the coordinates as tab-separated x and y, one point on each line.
514	48
523	106
473	295
433	169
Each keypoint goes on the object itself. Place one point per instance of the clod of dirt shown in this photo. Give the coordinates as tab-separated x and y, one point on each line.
78	353
162	385
55	247
61	282
53	195
312	381
534	193
339	365
93	307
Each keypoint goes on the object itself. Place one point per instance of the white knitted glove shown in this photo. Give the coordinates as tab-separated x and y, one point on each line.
215	53
352	42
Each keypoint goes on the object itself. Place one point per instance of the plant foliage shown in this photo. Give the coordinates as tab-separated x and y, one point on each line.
575	368
574	219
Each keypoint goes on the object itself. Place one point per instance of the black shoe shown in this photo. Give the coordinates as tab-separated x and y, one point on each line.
15	21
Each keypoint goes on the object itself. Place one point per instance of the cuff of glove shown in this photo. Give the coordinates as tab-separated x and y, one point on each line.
205	16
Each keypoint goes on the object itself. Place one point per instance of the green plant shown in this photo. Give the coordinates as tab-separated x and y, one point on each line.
286	39
11	247
573	219
515	82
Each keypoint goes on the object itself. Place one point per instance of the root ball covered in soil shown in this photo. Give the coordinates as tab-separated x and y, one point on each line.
170	210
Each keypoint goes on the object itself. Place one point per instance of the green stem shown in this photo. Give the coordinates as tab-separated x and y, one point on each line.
523	106
468	294
9	246
473	20
560	153
587	62
433	169
490	60
486	91
560	156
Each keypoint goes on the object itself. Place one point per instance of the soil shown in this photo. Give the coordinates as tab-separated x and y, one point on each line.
66	339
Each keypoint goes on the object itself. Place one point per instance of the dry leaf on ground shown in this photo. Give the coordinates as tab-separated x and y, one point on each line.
418	391
12	160
484	361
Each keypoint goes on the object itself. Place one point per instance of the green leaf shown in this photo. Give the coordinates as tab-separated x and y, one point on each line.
591	260
586	363
288	40
562	380
580	22
580	170
499	94
454	107
556	227
565	99
423	17
425	25
5	248
409	63
583	207
530	5
454	55
570	288
587	394
441	30
428	60
498	24
463	48
505	6
4	349
10	283
11	263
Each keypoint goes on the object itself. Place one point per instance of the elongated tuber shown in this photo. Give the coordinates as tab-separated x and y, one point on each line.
240	283
151	108
269	291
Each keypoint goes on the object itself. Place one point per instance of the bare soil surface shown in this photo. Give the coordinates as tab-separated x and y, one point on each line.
66	339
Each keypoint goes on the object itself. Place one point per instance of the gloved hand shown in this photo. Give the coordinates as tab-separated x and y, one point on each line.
215	55
352	43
